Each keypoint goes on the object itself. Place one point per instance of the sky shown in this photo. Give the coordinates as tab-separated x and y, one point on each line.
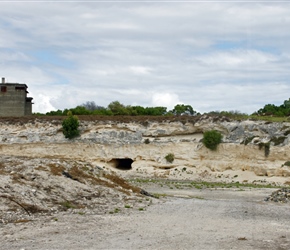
212	55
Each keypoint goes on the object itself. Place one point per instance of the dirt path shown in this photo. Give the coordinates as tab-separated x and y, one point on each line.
210	219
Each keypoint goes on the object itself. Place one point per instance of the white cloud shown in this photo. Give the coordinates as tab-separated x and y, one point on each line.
139	70
238	58
213	56
168	100
43	104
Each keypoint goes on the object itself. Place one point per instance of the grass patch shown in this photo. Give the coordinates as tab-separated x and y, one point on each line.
197	197
157	195
203	184
268	118
108	180
56	169
116	210
2	168
67	205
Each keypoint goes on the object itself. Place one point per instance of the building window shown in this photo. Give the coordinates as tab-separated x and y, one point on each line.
19	88
3	88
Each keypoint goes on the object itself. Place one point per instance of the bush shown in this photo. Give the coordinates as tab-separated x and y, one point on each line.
211	139
147	141
70	126
266	147
169	158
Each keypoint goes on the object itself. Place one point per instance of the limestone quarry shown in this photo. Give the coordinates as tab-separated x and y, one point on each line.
138	147
46	178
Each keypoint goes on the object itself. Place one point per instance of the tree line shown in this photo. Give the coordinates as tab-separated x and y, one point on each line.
117	108
271	109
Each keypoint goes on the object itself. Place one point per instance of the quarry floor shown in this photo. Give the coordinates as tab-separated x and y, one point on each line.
187	218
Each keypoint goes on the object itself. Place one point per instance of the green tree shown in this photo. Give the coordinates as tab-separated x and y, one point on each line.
118	108
58	112
138	110
156	111
102	111
181	109
80	110
211	139
70	126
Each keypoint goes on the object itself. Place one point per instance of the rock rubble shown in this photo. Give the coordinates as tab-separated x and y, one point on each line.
31	187
282	195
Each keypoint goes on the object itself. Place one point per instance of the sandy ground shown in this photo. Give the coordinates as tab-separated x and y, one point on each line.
184	219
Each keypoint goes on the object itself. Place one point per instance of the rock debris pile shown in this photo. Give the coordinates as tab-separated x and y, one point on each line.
282	195
31	187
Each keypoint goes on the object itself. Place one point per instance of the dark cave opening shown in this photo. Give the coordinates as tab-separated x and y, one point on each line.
123	163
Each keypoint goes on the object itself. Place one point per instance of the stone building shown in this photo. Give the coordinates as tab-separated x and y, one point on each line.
14	100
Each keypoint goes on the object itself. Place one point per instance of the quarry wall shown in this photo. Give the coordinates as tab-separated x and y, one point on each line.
147	144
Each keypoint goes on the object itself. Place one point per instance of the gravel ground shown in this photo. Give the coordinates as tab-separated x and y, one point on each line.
184	219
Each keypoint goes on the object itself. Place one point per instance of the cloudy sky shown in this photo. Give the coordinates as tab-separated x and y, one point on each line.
212	55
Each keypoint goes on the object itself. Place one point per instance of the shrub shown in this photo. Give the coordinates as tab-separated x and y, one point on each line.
211	139
266	147
248	140
278	140
287	163
147	141
70	126
169	158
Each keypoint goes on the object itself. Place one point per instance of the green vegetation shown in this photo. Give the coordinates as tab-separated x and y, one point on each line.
211	139
117	108
233	114
116	210
266	147
248	140
147	141
269	112
169	158
287	163
203	184
268	118
271	109
278	140
67	205
70	126
114	108
181	109
157	195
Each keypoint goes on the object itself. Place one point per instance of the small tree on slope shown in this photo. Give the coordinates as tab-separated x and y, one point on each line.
70	126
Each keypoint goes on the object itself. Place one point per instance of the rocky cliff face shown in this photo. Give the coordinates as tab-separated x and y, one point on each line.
147	142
